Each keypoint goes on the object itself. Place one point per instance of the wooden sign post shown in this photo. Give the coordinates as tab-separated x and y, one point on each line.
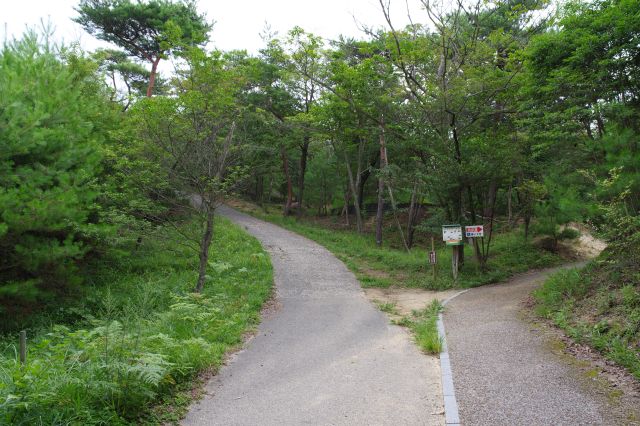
433	259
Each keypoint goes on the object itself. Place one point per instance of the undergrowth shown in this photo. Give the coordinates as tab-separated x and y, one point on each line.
388	266
140	336
599	305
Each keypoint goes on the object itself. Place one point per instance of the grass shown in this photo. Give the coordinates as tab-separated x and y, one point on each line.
387	307
424	325
388	266
131	350
599	306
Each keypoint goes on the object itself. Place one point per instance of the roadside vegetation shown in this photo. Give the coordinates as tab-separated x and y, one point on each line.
392	266
600	304
136	334
424	325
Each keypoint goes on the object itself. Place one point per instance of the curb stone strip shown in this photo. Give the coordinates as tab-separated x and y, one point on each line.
451	416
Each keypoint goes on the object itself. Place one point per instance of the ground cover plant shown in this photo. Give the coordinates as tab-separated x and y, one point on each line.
385	266
139	332
424	325
600	304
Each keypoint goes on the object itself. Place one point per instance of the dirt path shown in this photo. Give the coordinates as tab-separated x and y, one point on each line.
324	356
506	371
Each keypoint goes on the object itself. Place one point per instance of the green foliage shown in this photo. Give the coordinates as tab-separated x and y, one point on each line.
191	137
387	307
424	325
143	334
564	284
391	266
53	119
144	29
599	305
568	234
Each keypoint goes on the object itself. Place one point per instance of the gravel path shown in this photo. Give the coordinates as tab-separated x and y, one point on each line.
505	370
325	356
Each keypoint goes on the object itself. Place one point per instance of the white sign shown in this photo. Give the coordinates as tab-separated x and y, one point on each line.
474	231
452	234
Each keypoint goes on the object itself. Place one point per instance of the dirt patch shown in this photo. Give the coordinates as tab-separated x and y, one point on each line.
586	246
406	300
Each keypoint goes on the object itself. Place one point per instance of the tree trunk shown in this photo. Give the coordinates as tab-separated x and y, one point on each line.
383	162
287	174
356	204
489	213
304	153
152	76
346	205
204	250
380	211
413	213
509	208
364	176
395	217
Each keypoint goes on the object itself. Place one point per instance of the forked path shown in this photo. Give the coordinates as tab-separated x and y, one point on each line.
325	356
505	370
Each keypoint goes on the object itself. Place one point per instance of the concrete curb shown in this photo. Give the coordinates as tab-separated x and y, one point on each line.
451	416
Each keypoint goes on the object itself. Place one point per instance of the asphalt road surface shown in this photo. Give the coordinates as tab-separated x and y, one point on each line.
505	370
324	356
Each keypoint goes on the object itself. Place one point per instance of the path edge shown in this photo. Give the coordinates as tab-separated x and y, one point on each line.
451	415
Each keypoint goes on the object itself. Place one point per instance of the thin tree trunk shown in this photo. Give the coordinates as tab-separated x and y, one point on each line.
287	174
304	153
204	250
412	215
345	209
383	162
152	77
380	211
509	208
489	213
395	216
356	205
476	244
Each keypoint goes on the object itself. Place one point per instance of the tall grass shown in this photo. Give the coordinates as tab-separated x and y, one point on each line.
425	327
140	334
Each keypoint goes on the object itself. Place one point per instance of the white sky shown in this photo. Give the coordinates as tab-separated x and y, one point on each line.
238	23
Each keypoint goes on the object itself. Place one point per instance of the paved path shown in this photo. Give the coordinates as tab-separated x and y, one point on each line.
325	357
505	371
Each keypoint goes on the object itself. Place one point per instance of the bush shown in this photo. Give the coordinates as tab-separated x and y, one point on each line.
568	234
53	119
